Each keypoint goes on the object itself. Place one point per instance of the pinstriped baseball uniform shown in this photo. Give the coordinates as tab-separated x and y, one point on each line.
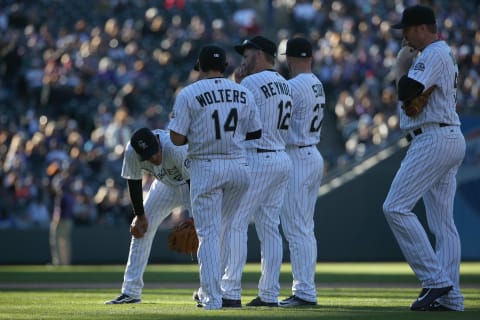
215	114
269	166
168	191
305	180
428	171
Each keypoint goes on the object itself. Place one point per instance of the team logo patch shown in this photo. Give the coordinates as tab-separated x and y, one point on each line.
420	66
186	163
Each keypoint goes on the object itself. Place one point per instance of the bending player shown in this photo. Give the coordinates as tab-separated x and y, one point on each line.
152	152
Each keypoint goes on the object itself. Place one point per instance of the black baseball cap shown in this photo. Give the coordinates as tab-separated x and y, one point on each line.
211	56
299	47
145	143
260	43
415	16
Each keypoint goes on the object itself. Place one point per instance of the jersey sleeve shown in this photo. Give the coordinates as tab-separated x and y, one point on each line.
254	123
180	121
299	107
426	68
178	156
131	168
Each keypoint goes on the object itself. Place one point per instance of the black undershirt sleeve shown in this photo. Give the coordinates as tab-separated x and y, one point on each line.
253	135
409	89
136	196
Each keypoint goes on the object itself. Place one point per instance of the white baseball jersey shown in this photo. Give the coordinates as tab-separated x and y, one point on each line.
169	191
305	180
269	167
428	171
435	66
274	99
215	114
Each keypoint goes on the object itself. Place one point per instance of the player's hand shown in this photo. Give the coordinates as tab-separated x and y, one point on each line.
404	59
239	74
139	226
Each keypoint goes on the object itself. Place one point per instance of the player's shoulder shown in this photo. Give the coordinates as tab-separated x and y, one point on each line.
436	49
129	154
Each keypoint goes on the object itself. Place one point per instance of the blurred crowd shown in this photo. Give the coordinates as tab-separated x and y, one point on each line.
78	77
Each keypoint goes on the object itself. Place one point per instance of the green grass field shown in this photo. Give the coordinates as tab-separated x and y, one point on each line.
345	291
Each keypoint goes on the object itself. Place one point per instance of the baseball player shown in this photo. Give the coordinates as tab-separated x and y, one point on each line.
151	152
269	164
215	115
302	137
437	148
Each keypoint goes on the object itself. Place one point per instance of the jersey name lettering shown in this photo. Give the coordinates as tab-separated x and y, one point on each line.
221	95
273	88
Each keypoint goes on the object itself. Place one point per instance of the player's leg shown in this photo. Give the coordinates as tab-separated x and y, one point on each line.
206	178
439	202
417	173
159	203
275	171
297	220
235	220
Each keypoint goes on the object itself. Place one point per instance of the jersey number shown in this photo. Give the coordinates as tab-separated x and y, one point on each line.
284	115
229	125
315	125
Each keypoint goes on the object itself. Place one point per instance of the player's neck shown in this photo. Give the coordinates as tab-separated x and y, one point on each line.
295	71
212	74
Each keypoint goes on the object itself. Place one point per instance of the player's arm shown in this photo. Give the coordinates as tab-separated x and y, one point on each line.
254	129
177	138
139	224
409	88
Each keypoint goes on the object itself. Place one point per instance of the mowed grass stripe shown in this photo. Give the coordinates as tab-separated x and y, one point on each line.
349	303
342	273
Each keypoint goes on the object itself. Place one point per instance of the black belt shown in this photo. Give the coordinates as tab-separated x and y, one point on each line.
310	145
265	150
419	131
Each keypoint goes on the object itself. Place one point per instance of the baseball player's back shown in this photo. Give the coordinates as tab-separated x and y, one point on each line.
269	166
215	115
437	148
274	99
219	113
305	179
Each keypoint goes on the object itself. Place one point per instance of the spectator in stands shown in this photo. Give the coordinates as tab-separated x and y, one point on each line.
93	53
62	216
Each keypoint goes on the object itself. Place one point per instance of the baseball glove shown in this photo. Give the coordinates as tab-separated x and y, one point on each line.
183	237
414	106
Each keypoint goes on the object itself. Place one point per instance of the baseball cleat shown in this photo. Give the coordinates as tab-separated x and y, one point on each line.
196	298
123	298
435	306
257	302
294	301
231	303
427	296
